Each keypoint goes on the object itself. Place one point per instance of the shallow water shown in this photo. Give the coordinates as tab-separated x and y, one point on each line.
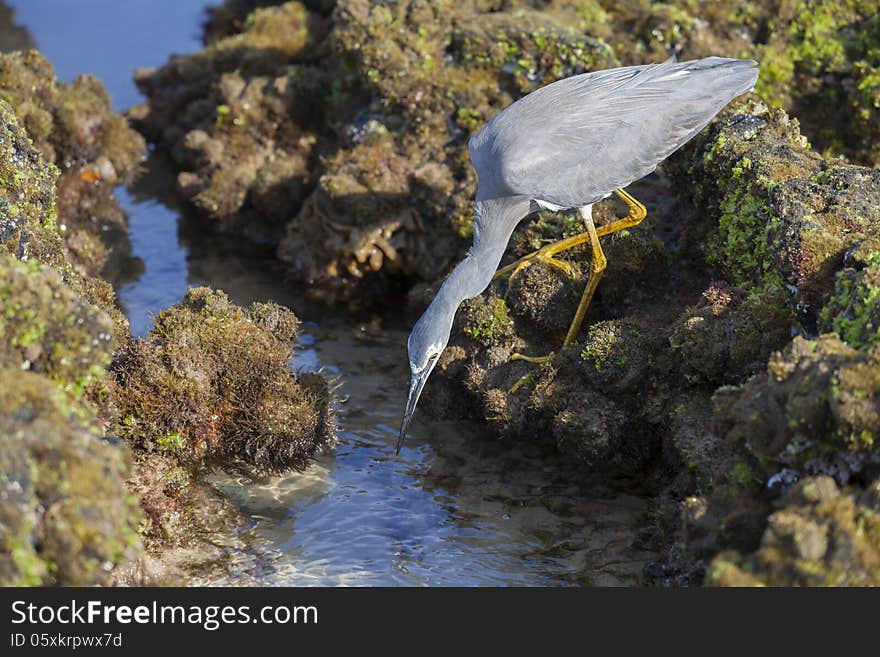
456	508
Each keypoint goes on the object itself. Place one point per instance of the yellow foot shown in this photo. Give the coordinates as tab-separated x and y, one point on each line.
534	359
526	378
547	259
539	256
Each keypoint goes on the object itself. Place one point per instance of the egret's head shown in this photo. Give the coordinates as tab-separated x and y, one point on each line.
426	342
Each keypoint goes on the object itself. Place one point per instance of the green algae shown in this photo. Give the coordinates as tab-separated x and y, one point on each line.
487	321
853	309
46	327
73	126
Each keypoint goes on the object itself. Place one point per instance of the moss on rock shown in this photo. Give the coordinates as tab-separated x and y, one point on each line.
211	385
66	516
819	536
73	126
46	327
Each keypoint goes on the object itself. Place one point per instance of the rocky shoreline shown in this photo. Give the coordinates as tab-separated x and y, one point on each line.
106	438
731	357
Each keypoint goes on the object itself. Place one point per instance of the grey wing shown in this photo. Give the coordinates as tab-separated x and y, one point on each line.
578	139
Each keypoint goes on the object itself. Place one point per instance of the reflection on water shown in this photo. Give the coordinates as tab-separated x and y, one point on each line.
456	508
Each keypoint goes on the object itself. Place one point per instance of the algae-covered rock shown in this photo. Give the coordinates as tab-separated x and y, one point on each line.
819	536
583	401
45	327
818	58
772	212
66	517
235	119
211	385
822	63
853	308
29	227
731	333
73	126
817	409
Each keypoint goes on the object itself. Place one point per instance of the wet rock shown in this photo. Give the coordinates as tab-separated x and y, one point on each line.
773	213
235	118
816	411
66	516
46	327
211	385
73	126
29	228
570	401
186	519
819	536
731	333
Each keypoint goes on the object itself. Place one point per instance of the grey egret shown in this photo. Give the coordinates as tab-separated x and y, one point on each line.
567	146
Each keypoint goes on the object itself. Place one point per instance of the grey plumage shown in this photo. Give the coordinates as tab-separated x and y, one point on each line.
569	145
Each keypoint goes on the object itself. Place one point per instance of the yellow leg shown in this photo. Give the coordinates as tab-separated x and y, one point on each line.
637	214
597	268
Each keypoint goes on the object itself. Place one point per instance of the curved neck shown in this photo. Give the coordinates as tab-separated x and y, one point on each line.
494	222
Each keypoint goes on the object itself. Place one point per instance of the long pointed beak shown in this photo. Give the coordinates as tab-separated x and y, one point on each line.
417	382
